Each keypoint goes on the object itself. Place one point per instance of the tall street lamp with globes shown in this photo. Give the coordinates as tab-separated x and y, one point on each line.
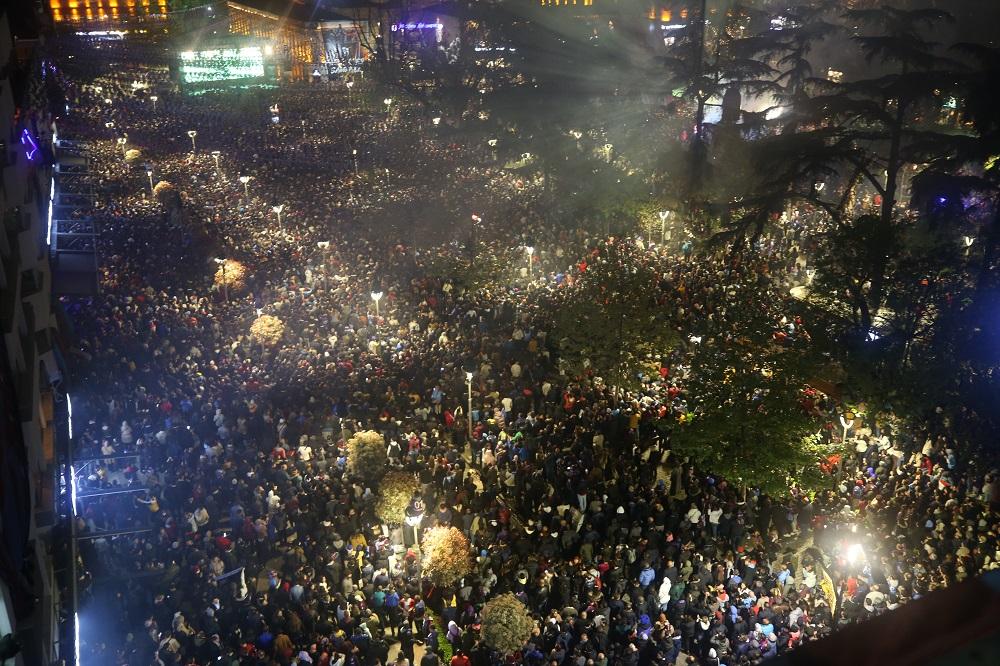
530	251
277	211
246	190
149	174
193	134
377	296
153	99
225	284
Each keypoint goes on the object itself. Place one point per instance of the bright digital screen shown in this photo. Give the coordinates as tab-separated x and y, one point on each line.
222	65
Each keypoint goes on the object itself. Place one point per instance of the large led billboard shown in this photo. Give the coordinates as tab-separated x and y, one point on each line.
199	67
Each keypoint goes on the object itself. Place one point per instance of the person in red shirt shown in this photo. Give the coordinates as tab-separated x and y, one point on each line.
460	659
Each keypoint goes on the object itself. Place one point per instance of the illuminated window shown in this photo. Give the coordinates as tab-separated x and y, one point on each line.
684	13
665	16
652	13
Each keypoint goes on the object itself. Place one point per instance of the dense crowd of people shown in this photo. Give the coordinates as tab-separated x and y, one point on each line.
248	540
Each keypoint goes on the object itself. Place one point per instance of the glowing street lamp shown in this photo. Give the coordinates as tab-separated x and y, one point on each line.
225	283
349	84
215	156
246	190
847	422
388	103
354	156
436	120
468	381
108	100
122	143
968	240
149	174
530	251
376	296
855	553
475	220
414	516
193	134
110	124
664	216
277	211
153	99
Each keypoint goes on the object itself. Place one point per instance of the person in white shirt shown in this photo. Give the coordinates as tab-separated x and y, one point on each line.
714	515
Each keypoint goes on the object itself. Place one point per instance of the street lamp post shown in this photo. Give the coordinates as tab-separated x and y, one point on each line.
324	246
376	296
123	144
388	104
277	211
215	156
468	382
149	174
193	134
472	235
530	250
153	98
436	120
664	215
225	284
847	421
354	156
246	190
493	148
968	240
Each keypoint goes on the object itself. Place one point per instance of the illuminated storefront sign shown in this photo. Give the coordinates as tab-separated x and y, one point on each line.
396	27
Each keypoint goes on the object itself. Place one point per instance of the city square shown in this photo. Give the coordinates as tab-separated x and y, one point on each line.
502	333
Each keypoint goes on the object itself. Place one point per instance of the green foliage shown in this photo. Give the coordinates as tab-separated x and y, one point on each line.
446	556
506	624
443	648
366	455
472	273
746	420
608	323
